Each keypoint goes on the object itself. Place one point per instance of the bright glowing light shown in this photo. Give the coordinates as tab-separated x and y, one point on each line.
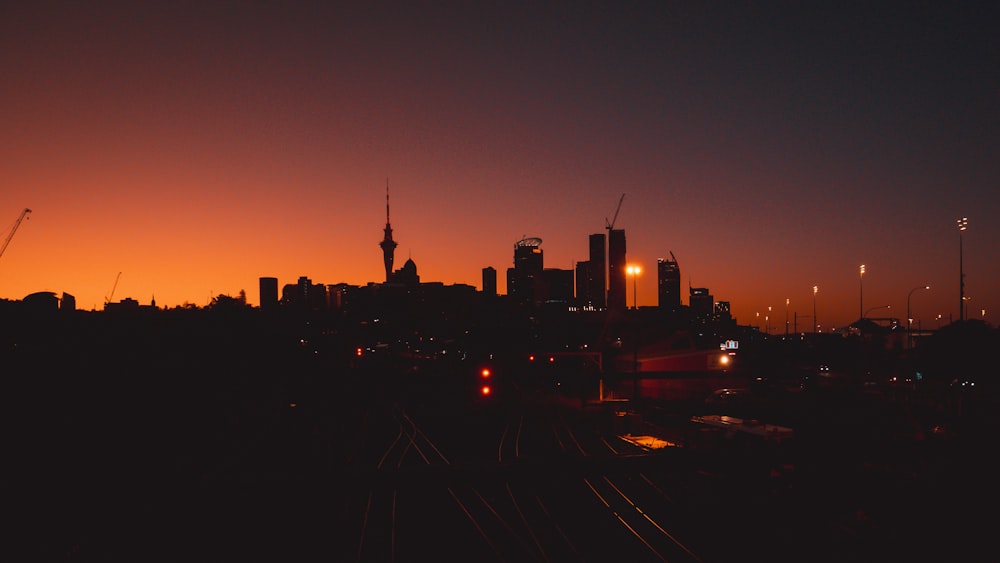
485	373
485	390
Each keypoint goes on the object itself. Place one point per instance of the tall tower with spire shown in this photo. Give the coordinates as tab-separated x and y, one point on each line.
388	245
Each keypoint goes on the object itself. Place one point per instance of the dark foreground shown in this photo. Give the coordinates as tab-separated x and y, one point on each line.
345	467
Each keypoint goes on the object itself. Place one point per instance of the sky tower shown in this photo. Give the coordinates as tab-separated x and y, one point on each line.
388	245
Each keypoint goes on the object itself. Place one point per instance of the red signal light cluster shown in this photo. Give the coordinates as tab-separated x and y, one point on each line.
485	376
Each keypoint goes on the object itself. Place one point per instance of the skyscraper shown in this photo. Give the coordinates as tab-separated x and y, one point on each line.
388	245
490	281
616	269
701	302
524	279
597	284
668	283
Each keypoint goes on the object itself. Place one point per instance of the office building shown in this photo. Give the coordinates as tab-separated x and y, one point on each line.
616	269
668	283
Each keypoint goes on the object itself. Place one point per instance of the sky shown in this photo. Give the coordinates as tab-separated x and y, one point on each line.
181	150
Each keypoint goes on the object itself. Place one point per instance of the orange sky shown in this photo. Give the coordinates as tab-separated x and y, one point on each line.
195	149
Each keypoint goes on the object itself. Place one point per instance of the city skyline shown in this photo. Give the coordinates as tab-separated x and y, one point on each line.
196	149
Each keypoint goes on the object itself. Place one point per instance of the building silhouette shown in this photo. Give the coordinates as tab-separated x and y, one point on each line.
524	279
407	275
702	302
591	288
268	294
616	269
668	283
557	285
305	295
490	281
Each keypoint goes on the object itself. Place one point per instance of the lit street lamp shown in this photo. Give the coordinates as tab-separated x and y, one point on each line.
634	272
963	223
909	318
861	291
815	291
787	301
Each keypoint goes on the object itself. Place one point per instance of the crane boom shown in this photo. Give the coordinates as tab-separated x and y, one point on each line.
13	230
113	288
611	225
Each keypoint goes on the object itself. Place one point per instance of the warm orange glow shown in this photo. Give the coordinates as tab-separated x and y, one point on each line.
485	373
485	390
159	172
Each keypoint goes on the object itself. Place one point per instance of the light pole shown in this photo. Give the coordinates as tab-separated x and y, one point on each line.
861	291
909	319
963	224
815	291
787	301
634	272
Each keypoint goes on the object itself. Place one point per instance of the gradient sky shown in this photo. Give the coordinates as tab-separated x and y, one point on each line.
197	146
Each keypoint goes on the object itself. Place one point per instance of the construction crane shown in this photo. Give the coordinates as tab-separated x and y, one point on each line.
14	229
611	225
108	298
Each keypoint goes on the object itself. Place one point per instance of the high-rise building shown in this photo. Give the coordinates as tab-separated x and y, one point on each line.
583	276
388	245
597	285
528	265
268	294
668	283
490	281
616	269
557	285
701	302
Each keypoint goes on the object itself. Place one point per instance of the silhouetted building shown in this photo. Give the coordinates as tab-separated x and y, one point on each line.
668	283
583	276
616	269
388	245
127	305
723	311
490	281
268	294
43	302
305	295
591	288
557	285
67	303
524	279
407	275
702	302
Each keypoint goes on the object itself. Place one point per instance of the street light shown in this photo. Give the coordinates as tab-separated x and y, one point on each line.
634	272
787	301
909	319
861	291
815	291
963	224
